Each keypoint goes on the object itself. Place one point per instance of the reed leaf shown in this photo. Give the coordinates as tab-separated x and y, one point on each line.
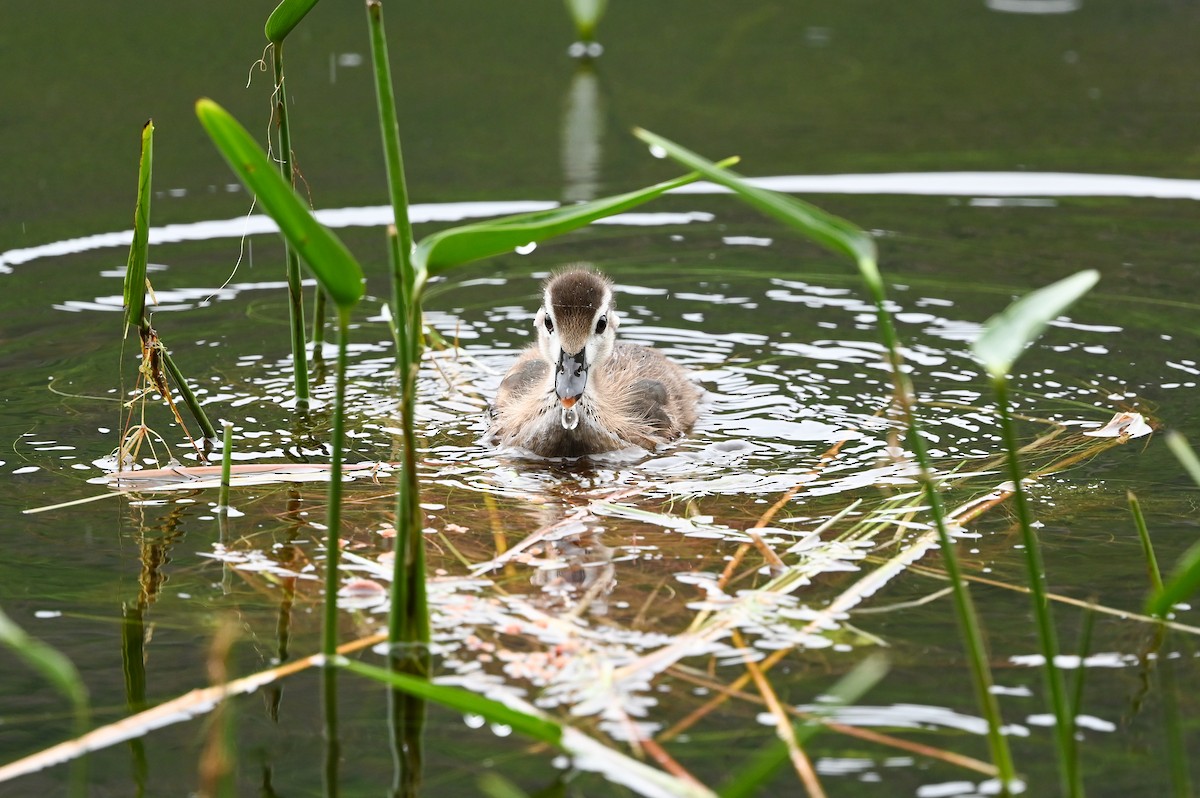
1006	334
832	232
1184	454
135	270
1184	580
586	14
539	728
843	237
334	267
457	245
285	17
50	663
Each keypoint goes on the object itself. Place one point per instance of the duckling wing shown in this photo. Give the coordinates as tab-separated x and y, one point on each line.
647	402
528	371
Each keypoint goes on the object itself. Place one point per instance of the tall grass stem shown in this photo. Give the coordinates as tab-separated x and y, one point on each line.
295	290
333	518
226	468
1064	727
846	238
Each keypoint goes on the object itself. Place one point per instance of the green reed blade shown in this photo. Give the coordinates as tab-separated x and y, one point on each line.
456	698
831	232
493	785
51	664
1184	454
459	245
1184	580
334	267
286	16
845	238
1139	521
586	14
135	271
1006	334
748	779
998	347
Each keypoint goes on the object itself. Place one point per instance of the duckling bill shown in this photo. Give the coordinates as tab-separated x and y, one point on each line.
577	391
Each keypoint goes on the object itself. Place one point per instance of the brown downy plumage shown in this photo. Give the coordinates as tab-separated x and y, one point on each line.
577	391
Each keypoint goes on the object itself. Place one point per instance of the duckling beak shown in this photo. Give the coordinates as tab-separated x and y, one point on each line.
570	377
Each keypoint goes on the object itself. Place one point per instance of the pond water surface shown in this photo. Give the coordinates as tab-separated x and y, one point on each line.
557	581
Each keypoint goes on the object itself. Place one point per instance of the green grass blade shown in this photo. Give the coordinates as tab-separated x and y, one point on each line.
456	698
459	245
586	14
1006	334
751	777
1139	521
135	270
1184	454
493	785
1185	579
831	232
51	664
286	16
334	267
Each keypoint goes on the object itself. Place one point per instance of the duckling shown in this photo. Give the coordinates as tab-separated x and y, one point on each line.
577	391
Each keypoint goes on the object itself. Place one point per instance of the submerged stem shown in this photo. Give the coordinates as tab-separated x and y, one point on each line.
334	513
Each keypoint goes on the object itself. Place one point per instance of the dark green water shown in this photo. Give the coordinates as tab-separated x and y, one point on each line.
779	329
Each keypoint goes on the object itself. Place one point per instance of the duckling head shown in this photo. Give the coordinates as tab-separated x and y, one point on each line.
577	328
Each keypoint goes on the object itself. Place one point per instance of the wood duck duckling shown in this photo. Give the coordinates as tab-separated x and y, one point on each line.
577	391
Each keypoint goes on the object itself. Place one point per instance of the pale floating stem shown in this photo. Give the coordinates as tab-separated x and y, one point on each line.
1139	521
1064	727
295	290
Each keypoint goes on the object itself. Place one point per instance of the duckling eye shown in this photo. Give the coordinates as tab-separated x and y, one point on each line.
549	323
601	325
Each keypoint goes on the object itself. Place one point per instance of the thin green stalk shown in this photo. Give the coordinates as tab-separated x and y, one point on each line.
226	468
389	131
334	513
295	290
189	397
1080	676
1139	521
845	238
1064	727
408	621
333	746
318	323
1177	753
968	618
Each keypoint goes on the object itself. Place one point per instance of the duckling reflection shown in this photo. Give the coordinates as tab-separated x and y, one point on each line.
577	391
577	568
